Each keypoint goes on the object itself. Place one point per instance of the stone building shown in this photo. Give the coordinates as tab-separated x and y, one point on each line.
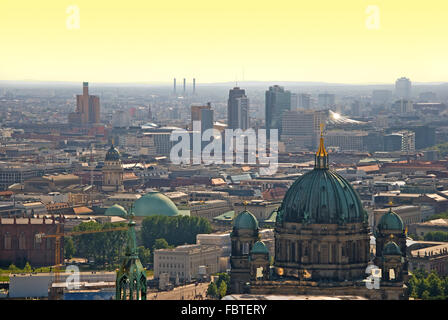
322	244
184	262
19	242
112	171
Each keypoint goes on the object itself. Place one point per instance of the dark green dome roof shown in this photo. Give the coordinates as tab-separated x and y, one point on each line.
259	247
391	249
154	203
116	210
112	154
391	221
245	220
321	196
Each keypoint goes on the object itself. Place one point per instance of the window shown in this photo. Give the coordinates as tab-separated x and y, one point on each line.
8	244
22	241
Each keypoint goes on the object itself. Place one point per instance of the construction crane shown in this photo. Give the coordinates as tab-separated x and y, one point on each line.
58	235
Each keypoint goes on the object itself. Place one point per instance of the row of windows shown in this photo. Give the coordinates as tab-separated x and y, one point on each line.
171	265
20	242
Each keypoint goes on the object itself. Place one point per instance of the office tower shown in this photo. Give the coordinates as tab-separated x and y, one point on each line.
301	129
381	97
194	86
237	109
294	101
185	84
326	100
304	101
278	100
403	88
174	86
196	112
87	108
206	119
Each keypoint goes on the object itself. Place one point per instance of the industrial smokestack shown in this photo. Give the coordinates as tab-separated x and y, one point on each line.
194	86
185	82
174	87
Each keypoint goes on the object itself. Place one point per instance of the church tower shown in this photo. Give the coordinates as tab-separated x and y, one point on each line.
112	171
244	235
131	277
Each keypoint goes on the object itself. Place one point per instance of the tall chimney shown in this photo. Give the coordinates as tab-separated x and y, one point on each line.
174	87
194	86
185	81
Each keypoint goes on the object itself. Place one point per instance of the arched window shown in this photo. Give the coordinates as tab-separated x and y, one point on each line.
245	248
22	241
8	241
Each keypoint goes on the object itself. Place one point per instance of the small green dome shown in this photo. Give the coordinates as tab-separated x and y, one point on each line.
116	210
154	203
391	221
259	247
245	220
391	249
112	154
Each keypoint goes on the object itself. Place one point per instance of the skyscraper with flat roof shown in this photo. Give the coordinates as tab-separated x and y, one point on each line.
278	100
238	109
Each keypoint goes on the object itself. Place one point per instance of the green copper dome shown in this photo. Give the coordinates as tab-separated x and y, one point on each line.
116	210
321	196
112	154
259	247
154	203
245	220
391	221
391	249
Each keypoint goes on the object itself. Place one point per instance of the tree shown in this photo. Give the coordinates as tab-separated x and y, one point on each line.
27	267
160	244
176	230
222	289
69	248
103	247
12	267
435	285
212	290
224	277
144	254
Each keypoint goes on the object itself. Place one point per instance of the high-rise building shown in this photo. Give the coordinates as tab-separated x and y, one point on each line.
278	100
196	112
87	108
304	101
238	109
403	88
194	86
326	100
185	86
174	87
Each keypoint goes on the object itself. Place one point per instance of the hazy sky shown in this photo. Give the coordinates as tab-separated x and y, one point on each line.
296	40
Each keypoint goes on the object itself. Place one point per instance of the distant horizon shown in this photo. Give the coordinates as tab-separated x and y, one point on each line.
216	83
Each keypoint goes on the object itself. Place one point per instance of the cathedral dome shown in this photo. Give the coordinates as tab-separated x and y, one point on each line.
116	210
154	203
391	221
112	154
259	247
391	249
245	220
321	196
